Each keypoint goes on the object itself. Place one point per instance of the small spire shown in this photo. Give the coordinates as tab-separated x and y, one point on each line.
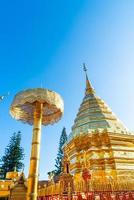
89	88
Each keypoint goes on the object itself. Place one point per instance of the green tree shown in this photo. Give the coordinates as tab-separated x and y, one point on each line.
14	154
60	154
1	171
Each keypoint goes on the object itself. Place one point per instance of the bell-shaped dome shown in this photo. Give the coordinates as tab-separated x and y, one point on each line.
95	114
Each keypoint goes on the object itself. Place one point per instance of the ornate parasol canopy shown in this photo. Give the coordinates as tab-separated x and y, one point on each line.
23	106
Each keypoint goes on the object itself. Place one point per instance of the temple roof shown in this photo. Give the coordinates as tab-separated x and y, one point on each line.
94	114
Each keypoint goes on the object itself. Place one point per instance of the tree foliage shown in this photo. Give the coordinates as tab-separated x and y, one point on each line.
1	171
14	154
60	154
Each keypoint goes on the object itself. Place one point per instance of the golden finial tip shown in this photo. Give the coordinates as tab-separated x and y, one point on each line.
89	89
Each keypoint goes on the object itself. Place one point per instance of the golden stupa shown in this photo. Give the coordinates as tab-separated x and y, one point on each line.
98	158
100	143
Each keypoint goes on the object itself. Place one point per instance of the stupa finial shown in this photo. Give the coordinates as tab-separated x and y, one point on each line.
89	88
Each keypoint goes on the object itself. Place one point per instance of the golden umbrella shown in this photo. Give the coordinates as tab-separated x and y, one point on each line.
36	107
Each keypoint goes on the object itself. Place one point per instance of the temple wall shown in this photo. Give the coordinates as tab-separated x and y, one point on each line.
79	186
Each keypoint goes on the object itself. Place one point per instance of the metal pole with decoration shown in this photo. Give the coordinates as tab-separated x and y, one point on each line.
36	107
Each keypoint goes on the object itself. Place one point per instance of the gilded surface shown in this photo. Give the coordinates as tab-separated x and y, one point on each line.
36	106
23	106
100	142
94	114
79	186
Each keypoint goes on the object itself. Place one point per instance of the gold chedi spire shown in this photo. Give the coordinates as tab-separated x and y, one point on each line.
89	88
94	114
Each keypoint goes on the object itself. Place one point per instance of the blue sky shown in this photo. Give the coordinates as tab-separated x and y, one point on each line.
46	42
